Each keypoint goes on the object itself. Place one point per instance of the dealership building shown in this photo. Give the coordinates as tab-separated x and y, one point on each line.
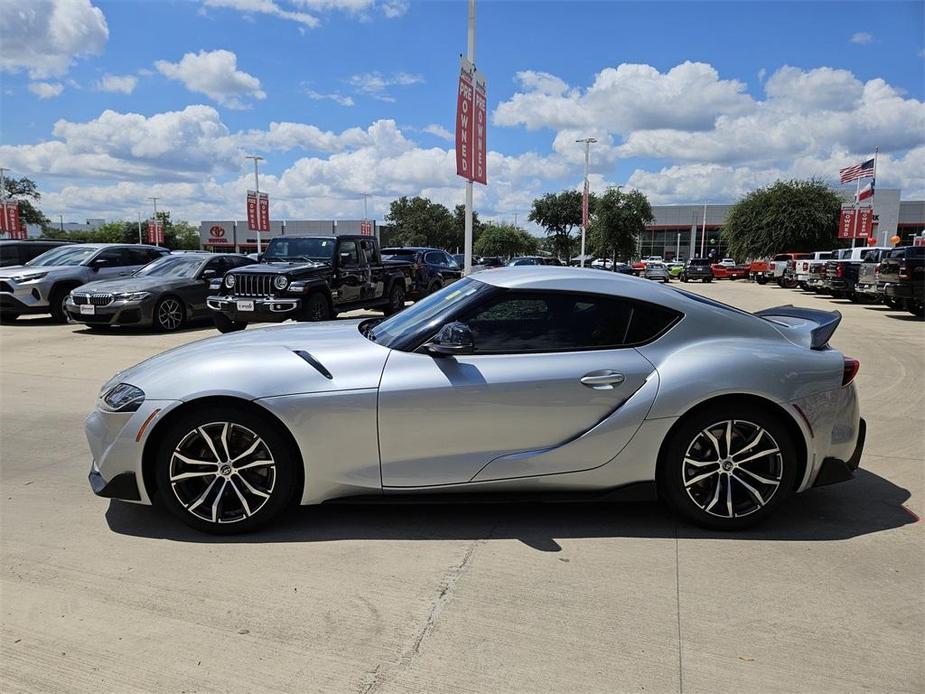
234	236
677	229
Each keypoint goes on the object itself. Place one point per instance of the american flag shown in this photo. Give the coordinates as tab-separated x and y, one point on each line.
853	173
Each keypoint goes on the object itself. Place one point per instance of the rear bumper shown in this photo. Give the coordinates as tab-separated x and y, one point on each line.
835	470
899	291
866	288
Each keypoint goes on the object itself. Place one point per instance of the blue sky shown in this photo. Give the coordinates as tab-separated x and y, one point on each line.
691	100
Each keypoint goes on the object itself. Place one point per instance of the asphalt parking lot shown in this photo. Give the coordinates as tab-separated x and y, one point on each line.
108	597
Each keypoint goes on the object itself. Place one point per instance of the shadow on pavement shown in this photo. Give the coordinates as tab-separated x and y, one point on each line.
866	505
133	331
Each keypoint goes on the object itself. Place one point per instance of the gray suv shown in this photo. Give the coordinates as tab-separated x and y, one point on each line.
43	284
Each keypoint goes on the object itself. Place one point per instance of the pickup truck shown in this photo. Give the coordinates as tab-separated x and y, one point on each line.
309	278
722	271
902	274
778	268
759	270
841	272
806	271
865	289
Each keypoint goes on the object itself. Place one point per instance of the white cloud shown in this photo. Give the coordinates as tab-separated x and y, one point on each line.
268	7
375	84
46	90
439	131
333	96
862	38
215	74
392	9
44	37
123	84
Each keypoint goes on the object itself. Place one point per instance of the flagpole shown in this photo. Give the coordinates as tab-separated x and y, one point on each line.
873	193
857	194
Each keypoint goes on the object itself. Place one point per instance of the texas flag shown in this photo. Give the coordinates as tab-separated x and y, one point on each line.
867	191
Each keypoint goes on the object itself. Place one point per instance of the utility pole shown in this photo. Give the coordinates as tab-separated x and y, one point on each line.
61	222
155	221
467	238
585	200
365	207
139	227
256	158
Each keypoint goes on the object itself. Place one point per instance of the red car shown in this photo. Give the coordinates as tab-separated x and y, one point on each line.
725	272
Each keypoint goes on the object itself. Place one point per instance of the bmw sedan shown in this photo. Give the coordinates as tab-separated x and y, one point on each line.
536	379
166	294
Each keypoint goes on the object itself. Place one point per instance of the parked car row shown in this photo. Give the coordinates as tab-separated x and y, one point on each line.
888	275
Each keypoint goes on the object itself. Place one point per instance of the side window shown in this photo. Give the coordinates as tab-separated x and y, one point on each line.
115	257
348	254
139	256
434	258
370	252
238	261
558	321
217	264
450	261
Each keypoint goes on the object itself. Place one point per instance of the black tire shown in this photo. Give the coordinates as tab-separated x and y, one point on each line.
916	308
8	317
266	487
316	308
761	280
707	280
434	286
396	300
56	305
225	325
706	501
684	278
891	302
169	314
856	298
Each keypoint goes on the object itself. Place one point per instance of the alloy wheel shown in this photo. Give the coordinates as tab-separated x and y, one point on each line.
222	472
169	314
732	468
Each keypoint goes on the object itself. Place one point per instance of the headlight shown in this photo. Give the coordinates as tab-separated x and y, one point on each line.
132	296
123	398
229	281
281	282
29	277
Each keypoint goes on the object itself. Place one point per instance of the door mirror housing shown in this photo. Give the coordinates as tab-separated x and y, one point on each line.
453	338
345	259
99	262
208	274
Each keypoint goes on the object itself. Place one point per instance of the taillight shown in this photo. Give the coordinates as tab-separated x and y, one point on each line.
851	370
839	270
902	270
805	267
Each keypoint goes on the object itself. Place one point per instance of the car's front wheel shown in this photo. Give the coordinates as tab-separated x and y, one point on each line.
225	325
169	314
396	300
727	468
223	470
316	308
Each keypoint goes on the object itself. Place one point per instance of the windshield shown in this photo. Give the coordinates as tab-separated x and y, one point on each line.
299	249
68	255
171	266
418	319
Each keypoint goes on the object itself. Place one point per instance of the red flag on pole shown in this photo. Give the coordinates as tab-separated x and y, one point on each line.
471	124
464	124
263	212
252	221
584	206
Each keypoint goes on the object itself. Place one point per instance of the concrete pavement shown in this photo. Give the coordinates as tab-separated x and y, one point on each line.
111	597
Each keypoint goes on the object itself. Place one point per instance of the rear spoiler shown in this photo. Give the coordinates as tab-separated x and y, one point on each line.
820	324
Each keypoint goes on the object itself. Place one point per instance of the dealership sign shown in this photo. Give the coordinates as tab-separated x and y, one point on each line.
856	223
218	236
258	211
155	232
471	124
9	220
366	228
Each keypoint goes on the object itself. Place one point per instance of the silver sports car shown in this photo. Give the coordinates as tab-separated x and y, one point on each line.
534	379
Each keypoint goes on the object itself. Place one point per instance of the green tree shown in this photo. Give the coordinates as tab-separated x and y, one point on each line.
184	236
559	214
459	228
619	219
505	240
419	222
795	215
25	190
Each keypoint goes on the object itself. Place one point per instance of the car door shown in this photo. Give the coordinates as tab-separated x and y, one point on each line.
548	368
116	262
350	274
374	277
452	272
197	289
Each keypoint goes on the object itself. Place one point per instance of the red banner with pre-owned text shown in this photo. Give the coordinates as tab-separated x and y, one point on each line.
856	224
9	220
464	125
252	210
479	125
258	211
155	232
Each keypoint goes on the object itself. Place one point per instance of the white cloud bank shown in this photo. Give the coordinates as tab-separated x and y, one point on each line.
121	84
43	37
46	90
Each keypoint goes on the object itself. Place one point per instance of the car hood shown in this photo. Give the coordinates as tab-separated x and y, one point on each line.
134	284
13	270
280	267
263	362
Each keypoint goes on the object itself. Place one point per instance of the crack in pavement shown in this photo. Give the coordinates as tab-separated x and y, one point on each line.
381	675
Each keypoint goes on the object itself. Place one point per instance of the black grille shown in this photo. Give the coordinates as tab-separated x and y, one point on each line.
253	284
95	299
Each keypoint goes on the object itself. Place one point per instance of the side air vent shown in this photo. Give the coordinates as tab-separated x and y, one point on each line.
317	365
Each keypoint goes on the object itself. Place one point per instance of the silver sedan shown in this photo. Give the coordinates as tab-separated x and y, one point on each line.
535	379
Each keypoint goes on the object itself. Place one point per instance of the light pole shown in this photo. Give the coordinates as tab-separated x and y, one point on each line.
139	226
584	200
467	237
703	230
155	221
256	158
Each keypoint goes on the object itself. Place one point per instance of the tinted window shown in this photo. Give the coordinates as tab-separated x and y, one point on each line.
116	257
238	261
348	253
171	266
69	255
558	321
140	256
399	252
434	258
282	248
369	250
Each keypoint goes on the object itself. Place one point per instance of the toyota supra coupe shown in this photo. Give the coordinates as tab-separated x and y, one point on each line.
527	379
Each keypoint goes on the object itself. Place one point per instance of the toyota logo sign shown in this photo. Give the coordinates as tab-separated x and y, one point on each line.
217	232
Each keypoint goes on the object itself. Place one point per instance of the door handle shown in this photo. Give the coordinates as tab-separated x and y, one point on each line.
602	380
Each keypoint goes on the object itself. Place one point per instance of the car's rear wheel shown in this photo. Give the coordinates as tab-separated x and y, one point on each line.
761	280
224	471
225	325
169	314
728	467
396	300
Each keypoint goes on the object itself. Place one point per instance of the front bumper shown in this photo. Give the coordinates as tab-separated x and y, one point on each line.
265	310
29	297
115	313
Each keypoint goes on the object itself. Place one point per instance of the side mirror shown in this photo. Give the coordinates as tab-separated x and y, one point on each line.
453	338
208	274
345	259
98	263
